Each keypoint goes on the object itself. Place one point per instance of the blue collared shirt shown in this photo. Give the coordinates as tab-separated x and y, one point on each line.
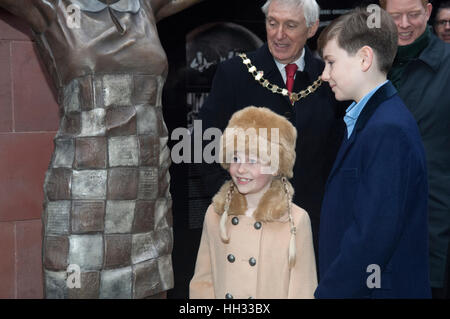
353	111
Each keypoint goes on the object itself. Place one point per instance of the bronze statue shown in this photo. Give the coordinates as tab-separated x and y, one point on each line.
107	206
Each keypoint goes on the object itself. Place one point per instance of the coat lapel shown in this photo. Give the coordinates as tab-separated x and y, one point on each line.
313	68
385	92
345	146
264	61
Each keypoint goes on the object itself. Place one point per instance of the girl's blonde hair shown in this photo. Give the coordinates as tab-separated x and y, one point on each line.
287	187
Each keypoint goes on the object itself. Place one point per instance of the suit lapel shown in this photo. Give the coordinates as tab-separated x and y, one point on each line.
385	92
313	68
309	74
264	61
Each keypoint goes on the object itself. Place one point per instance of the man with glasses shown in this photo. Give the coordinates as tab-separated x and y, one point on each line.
421	73
442	22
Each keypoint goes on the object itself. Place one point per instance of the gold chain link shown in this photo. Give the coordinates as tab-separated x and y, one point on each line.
294	97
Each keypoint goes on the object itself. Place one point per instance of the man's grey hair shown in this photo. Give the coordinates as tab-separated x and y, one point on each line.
311	9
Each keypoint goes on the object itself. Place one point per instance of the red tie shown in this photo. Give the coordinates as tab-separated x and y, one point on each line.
290	72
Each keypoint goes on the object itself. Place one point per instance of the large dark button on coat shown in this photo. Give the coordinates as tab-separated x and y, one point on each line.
231	258
252	261
229	296
257	225
235	220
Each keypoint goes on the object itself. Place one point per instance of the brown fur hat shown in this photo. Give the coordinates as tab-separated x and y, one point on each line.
272	132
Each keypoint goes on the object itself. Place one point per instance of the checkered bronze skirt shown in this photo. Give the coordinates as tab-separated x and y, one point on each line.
107	209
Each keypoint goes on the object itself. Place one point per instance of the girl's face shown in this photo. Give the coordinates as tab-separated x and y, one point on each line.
246	174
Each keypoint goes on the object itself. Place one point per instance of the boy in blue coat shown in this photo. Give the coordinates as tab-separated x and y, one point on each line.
373	230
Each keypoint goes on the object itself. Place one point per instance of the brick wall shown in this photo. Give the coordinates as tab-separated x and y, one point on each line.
28	122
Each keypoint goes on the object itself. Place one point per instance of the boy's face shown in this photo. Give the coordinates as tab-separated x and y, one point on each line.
342	71
411	18
247	176
287	31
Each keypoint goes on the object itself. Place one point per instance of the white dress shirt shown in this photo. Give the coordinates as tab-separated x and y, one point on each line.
300	63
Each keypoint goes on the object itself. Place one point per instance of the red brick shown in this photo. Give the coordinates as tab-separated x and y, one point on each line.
35	107
5	87
29	259
12	27
24	159
7	261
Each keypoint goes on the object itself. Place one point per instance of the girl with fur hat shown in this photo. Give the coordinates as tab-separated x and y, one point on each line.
255	242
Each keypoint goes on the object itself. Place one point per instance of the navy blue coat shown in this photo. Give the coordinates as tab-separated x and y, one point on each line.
374	210
318	119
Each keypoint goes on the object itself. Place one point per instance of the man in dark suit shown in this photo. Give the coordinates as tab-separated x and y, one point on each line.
316	115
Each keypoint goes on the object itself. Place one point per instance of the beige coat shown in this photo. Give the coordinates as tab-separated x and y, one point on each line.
270	277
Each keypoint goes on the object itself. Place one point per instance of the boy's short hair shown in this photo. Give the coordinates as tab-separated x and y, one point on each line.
353	30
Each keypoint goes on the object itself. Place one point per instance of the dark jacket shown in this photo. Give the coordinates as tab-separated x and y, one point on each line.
425	89
318	120
374	210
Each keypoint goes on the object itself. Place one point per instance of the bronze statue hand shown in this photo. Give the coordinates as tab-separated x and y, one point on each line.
38	13
165	8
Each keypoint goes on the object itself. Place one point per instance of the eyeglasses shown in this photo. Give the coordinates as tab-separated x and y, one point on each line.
442	23
411	16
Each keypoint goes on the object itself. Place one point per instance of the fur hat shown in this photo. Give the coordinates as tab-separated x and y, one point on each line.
269	136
